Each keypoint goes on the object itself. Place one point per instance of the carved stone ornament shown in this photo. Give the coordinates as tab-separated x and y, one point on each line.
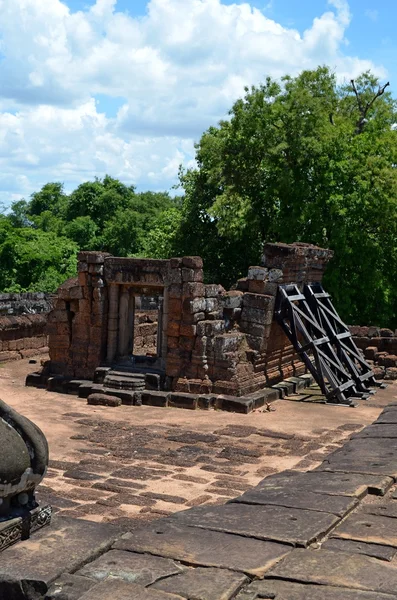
23	464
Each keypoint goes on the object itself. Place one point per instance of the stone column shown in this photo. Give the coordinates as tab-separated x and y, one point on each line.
131	320
113	322
159	340
123	322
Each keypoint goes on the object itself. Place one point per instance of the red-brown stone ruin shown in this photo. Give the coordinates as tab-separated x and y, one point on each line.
201	340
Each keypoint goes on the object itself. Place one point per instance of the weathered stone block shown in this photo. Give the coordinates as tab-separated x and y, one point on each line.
213	290
232	299
180	400
192	262
258	273
194	306
275	275
173	328
192	275
210	328
103	400
193	289
188	330
155	398
370	352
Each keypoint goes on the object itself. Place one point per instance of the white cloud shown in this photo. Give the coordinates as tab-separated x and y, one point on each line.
179	69
372	14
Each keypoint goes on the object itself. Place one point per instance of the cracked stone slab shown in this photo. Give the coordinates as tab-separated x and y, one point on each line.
203	584
374	456
387	417
121	590
293	498
143	569
369	528
355	547
203	547
325	567
386	509
289	525
379	430
63	547
339	484
69	587
285	590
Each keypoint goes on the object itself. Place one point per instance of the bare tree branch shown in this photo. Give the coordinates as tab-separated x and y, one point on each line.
364	109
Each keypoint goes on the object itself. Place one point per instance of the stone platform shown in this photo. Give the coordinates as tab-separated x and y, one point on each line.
327	534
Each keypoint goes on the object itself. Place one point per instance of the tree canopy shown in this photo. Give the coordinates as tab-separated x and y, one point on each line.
302	160
40	238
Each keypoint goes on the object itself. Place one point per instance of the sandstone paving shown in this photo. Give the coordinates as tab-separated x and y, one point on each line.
356	547
337	569
123	590
62	547
203	584
203	547
289	525
144	569
69	586
336	505
285	590
166	465
320	482
370	528
131	465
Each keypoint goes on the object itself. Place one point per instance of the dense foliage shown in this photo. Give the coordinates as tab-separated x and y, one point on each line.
305	160
40	238
298	160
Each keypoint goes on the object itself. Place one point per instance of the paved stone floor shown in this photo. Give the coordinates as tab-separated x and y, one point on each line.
139	463
210	506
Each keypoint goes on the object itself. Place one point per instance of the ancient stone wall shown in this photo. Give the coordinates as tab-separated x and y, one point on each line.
26	303
145	332
210	340
379	346
22	336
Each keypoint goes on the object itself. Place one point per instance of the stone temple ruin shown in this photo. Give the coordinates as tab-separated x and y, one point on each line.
208	347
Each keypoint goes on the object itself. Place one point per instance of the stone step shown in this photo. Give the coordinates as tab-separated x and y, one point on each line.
124	383
126	374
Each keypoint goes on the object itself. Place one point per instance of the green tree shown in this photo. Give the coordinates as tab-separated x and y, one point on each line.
51	197
32	260
99	200
304	160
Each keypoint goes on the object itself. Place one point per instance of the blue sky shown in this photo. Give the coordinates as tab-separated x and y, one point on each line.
97	87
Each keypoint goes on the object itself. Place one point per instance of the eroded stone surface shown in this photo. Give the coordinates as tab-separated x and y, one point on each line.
121	590
143	569
337	569
289	525
69	587
347	484
285	590
369	528
63	547
204	547
293	498
203	584
356	547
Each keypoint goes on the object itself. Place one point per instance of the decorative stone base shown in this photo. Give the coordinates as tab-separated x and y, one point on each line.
21	528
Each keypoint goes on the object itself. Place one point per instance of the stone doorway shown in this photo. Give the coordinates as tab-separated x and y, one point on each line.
135	326
147	329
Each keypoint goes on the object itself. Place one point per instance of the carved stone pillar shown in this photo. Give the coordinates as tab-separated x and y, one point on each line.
123	322
113	322
131	321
